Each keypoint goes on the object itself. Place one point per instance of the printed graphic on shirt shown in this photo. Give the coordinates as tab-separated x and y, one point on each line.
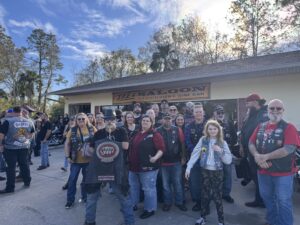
107	151
22	134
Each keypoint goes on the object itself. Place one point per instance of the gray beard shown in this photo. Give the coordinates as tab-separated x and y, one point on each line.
274	118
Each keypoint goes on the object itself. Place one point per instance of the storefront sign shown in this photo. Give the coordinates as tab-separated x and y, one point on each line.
195	92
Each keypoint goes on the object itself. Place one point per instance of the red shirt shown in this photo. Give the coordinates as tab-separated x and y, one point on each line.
291	137
159	144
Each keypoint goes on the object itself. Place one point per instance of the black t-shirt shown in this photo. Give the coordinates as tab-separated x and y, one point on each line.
119	135
44	128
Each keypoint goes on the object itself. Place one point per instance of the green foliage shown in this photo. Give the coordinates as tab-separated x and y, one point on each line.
57	108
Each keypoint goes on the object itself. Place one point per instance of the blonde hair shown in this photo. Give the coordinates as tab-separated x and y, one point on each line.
220	138
86	119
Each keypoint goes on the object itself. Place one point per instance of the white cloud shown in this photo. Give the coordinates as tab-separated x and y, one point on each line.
165	11
96	24
43	5
34	24
82	49
2	15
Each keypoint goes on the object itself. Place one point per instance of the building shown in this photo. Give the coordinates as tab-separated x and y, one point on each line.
228	83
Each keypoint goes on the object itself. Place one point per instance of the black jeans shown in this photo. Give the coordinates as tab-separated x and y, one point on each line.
12	156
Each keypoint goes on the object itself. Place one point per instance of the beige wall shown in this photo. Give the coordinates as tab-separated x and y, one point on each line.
286	88
97	99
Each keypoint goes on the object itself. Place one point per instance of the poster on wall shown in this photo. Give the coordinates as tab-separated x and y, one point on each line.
194	92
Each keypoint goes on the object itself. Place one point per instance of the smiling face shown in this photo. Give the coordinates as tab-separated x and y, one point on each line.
179	121
146	123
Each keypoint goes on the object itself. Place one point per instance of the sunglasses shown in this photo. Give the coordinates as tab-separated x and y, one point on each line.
173	110
277	108
220	113
81	119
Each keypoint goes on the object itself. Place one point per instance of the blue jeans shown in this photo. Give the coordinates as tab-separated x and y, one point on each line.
227	179
277	195
172	175
66	163
195	183
148	182
125	201
44	154
72	181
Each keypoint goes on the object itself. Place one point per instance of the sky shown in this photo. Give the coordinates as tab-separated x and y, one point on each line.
89	28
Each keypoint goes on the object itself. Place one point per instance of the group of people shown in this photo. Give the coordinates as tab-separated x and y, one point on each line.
154	156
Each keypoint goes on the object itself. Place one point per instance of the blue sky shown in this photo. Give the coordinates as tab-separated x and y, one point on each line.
89	28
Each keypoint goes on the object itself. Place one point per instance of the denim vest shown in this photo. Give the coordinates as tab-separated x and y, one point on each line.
18	130
204	152
274	141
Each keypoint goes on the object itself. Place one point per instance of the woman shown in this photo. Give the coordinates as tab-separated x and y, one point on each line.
146	148
100	124
213	151
70	124
91	118
179	121
77	136
130	126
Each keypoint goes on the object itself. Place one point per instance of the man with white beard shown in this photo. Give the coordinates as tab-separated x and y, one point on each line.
273	146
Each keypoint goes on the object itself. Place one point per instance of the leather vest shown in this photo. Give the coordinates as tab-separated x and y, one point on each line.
18	130
146	147
196	131
172	143
77	141
273	142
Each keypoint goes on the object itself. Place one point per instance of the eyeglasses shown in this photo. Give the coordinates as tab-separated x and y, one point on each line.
173	110
220	113
277	108
81	119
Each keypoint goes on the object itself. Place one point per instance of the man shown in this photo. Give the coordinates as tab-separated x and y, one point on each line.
44	134
230	137
137	112
108	145
158	114
16	132
257	113
164	106
273	145
193	133
171	168
188	114
173	112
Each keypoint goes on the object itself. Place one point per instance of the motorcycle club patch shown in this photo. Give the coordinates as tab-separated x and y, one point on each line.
107	151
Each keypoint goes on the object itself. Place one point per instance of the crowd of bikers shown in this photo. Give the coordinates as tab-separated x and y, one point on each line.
159	153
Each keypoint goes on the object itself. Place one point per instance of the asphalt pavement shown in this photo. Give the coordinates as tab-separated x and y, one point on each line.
43	203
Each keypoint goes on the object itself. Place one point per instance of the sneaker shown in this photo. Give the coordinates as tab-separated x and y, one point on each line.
196	207
41	167
228	199
146	214
63	169
69	205
65	187
82	200
166	207
255	204
200	221
182	207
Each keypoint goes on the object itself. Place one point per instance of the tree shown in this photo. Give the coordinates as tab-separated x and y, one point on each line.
90	74
164	59
255	23
57	108
120	63
25	86
46	62
53	65
11	63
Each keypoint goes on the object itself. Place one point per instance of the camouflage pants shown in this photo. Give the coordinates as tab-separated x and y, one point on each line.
212	183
